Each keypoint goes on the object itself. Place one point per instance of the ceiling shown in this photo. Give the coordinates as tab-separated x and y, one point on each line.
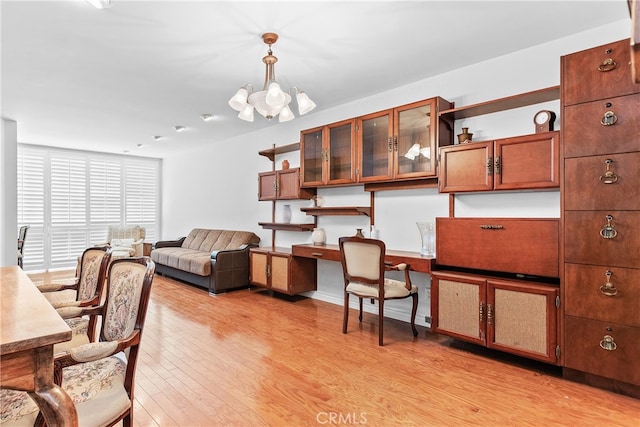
108	80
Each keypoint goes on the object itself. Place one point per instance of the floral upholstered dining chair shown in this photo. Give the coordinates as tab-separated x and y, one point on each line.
99	376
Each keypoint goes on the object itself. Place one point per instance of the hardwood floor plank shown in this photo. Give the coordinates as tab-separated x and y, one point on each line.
246	358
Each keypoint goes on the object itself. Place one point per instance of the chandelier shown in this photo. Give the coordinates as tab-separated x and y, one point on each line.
271	101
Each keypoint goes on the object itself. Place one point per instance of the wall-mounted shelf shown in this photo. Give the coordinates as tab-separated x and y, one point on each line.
338	210
287	226
272	152
493	106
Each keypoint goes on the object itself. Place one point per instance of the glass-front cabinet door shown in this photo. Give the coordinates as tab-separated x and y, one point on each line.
341	155
313	153
328	155
414	136
375	146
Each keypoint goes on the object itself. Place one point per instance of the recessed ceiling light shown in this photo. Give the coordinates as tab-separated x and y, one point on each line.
140	145
206	117
179	128
157	137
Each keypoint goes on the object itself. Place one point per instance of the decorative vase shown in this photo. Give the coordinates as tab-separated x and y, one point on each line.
465	136
318	201
359	232
318	236
285	164
286	214
428	237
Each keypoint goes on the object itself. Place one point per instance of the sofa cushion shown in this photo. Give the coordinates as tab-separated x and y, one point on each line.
190	260
208	240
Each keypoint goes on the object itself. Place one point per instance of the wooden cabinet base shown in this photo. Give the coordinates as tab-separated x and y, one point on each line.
277	270
601	382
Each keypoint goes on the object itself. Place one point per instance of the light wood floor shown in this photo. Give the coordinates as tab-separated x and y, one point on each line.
247	358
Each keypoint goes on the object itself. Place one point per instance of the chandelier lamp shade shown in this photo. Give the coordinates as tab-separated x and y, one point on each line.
271	101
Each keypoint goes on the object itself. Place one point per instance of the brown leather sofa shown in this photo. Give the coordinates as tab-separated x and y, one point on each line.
217	260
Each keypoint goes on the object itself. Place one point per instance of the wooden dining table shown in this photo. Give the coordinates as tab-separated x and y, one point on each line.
29	327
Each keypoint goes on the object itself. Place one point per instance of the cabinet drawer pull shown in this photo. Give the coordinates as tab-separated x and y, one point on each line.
607	343
489	166
319	254
481	312
490	314
609	289
491	227
609	119
608	231
607	65
609	176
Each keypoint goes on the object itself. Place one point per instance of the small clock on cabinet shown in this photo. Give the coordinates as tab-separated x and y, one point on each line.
544	121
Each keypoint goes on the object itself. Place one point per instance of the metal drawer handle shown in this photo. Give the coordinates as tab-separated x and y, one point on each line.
607	65
317	254
609	119
609	176
491	227
609	288
608	231
607	343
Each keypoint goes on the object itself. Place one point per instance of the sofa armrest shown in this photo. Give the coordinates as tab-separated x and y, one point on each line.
170	243
230	269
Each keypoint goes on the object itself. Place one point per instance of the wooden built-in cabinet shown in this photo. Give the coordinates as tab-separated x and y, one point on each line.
600	186
388	146
327	155
401	143
277	270
282	185
523	162
510	315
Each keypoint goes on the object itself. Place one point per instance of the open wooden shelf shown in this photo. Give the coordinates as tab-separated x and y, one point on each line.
272	152
338	210
515	101
287	226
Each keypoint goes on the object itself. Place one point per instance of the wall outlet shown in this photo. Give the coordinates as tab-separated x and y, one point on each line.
427	319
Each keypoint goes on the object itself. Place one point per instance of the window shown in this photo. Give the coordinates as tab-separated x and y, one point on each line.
69	198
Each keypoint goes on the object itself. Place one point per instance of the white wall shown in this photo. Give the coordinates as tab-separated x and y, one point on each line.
217	187
8	192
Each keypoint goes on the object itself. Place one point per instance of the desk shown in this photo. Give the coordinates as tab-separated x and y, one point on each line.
417	262
29	328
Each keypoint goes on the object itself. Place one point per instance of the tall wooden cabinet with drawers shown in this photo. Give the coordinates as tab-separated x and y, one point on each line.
600	189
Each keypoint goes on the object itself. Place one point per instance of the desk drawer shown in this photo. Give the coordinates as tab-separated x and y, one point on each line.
525	246
327	253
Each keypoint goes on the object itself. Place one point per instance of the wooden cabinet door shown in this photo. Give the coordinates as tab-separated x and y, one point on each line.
522	319
288	184
267	186
375	146
341	153
279	277
525	162
414	139
313	157
466	167
258	269
458	306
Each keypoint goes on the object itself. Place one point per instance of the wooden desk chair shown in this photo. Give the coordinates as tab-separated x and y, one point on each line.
22	235
99	376
364	269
